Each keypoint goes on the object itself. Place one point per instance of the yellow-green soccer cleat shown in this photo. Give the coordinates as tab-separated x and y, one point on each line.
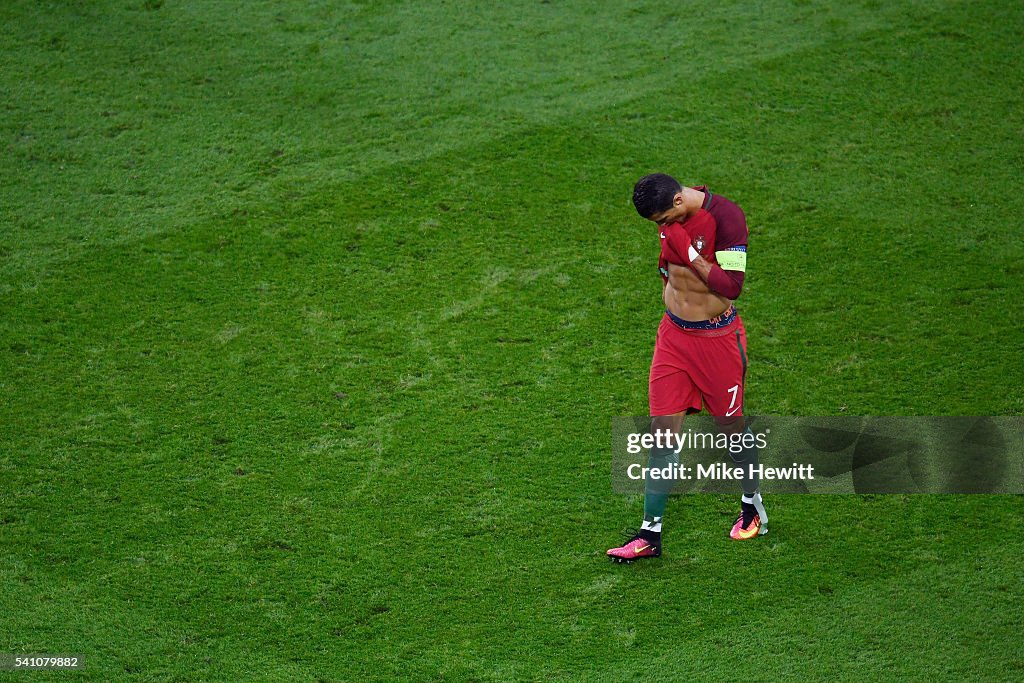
752	522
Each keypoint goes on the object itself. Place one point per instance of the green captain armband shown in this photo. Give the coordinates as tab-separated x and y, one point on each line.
733	258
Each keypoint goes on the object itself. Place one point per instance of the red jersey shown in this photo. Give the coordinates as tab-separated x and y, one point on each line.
723	244
699	230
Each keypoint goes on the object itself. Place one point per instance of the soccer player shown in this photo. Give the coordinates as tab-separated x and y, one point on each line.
700	352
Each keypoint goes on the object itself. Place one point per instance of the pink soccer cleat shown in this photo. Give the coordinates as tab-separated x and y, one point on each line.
636	549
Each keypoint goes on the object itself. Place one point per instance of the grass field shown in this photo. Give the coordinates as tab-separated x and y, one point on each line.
313	317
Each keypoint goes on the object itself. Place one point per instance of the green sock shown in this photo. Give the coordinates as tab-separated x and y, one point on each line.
656	491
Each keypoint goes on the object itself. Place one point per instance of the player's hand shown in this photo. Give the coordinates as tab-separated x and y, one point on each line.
680	243
691	254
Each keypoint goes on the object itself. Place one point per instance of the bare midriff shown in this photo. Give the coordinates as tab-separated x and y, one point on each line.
688	297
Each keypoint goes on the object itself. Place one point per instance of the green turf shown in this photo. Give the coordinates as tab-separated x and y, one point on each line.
313	317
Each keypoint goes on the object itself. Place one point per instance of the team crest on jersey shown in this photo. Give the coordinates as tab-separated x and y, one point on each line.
699	243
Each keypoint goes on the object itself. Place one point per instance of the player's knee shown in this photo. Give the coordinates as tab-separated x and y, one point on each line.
730	425
670	423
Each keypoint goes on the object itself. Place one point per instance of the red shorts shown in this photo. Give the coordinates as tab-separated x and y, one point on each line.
695	368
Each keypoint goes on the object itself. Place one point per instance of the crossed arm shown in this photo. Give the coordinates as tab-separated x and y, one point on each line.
728	283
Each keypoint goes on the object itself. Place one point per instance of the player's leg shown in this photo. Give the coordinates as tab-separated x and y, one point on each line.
722	384
657	491
752	520
671	394
646	542
745	454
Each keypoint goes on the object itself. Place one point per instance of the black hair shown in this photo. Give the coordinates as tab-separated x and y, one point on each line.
653	193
